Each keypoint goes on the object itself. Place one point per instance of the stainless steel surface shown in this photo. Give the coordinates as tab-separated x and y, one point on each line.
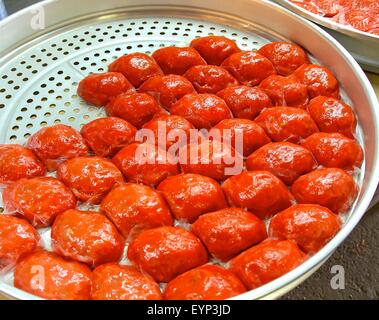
40	70
362	45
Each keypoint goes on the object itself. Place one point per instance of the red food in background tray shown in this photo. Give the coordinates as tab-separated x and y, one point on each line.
362	15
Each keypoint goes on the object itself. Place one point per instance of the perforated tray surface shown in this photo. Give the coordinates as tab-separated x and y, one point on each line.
38	81
38	85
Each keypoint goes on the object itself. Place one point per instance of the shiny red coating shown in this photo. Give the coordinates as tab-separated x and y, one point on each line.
112	281
145	163
136	108
211	158
266	262
99	88
87	237
319	80
330	187
175	127
287	124
285	91
136	67
249	67
229	231
17	162
89	178
135	207
202	110
191	195
285	56
167	89
107	136
334	150
210	79
39	199
259	191
310	226
286	160
332	115
17	239
49	276
208	282
245	102
215	49
57	143
253	136
166	252
177	60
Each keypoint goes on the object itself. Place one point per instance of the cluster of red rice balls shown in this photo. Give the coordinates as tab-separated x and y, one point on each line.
300	156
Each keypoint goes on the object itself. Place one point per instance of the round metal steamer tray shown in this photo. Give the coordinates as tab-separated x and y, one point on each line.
362	45
40	70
